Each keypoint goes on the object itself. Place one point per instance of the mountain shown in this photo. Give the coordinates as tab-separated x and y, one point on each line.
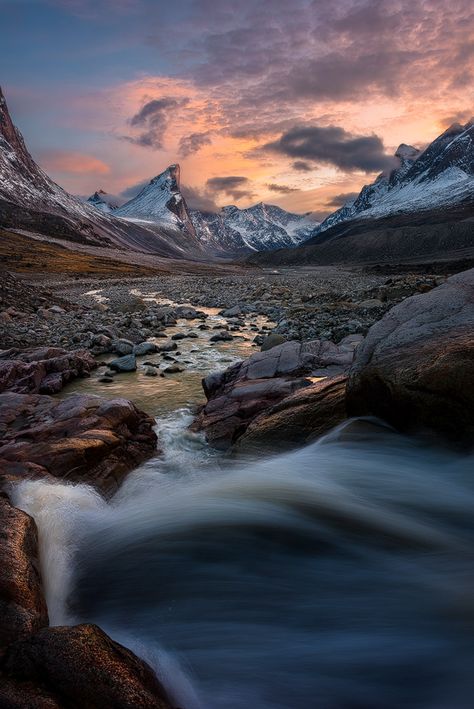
259	228
31	201
103	201
424	206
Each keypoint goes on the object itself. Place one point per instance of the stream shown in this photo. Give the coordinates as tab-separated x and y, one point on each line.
338	576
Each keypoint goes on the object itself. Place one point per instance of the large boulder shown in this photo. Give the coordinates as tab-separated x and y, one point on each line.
43	370
77	668
22	606
239	394
83	438
415	368
298	419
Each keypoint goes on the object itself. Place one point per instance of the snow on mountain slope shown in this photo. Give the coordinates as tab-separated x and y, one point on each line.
103	201
259	228
442	175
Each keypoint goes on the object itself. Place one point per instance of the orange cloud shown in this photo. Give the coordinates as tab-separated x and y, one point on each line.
72	162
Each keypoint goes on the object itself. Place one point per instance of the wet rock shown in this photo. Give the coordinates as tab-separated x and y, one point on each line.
298	419
83	438
272	341
415	368
151	372
144	348
239	394
22	606
168	346
231	312
178	336
174	369
43	369
222	337
123	347
82	667
124	364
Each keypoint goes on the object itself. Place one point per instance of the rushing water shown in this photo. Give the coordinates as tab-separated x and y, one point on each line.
339	576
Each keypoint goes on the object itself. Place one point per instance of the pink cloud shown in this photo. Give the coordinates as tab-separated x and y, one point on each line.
73	162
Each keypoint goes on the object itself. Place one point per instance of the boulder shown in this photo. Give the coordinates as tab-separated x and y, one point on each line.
128	363
78	667
123	347
272	341
83	438
42	370
144	348
298	419
239	394
22	606
415	368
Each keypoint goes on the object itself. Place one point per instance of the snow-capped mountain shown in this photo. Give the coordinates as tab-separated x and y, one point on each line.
103	201
259	228
443	174
31	201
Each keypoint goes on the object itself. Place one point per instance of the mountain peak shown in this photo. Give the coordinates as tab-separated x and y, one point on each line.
406	152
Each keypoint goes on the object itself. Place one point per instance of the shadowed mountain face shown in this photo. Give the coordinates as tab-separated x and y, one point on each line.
31	201
424	208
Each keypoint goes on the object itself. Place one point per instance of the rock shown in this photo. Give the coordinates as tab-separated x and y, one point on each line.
22	606
83	438
222	337
231	312
415	368
106	380
178	336
145	348
44	369
244	391
272	341
123	347
371	303
187	312
151	372
298	419
124	364
167	347
81	666
56	310
174	369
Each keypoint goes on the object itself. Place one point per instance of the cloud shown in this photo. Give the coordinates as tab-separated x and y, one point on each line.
133	190
190	144
230	185
199	199
72	162
302	166
339	200
152	120
333	145
283	189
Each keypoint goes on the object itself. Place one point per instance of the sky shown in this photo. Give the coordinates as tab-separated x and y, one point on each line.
294	102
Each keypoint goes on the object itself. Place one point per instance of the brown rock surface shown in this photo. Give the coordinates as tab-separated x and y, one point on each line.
81	439
241	393
79	668
22	606
415	369
43	370
299	419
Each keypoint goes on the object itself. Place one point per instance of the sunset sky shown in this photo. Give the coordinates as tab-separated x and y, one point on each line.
292	102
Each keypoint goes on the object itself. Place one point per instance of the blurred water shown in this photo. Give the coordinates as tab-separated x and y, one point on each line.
338	576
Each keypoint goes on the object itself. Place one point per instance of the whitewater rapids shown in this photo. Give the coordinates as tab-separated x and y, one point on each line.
339	576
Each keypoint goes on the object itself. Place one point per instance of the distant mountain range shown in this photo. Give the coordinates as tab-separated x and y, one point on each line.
425	206
230	232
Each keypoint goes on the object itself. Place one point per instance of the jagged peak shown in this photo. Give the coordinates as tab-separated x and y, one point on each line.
406	152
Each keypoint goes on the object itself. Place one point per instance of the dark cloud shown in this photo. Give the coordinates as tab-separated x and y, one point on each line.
339	200
199	199
190	144
282	189
302	166
332	145
152	120
230	185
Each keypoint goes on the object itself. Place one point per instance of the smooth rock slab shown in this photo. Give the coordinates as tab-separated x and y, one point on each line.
83	438
415	368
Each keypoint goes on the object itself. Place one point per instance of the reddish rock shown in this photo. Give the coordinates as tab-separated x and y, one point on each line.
81	439
22	605
298	419
416	367
241	393
79	668
43	370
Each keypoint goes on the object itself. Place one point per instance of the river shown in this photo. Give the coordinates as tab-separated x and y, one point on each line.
338	576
